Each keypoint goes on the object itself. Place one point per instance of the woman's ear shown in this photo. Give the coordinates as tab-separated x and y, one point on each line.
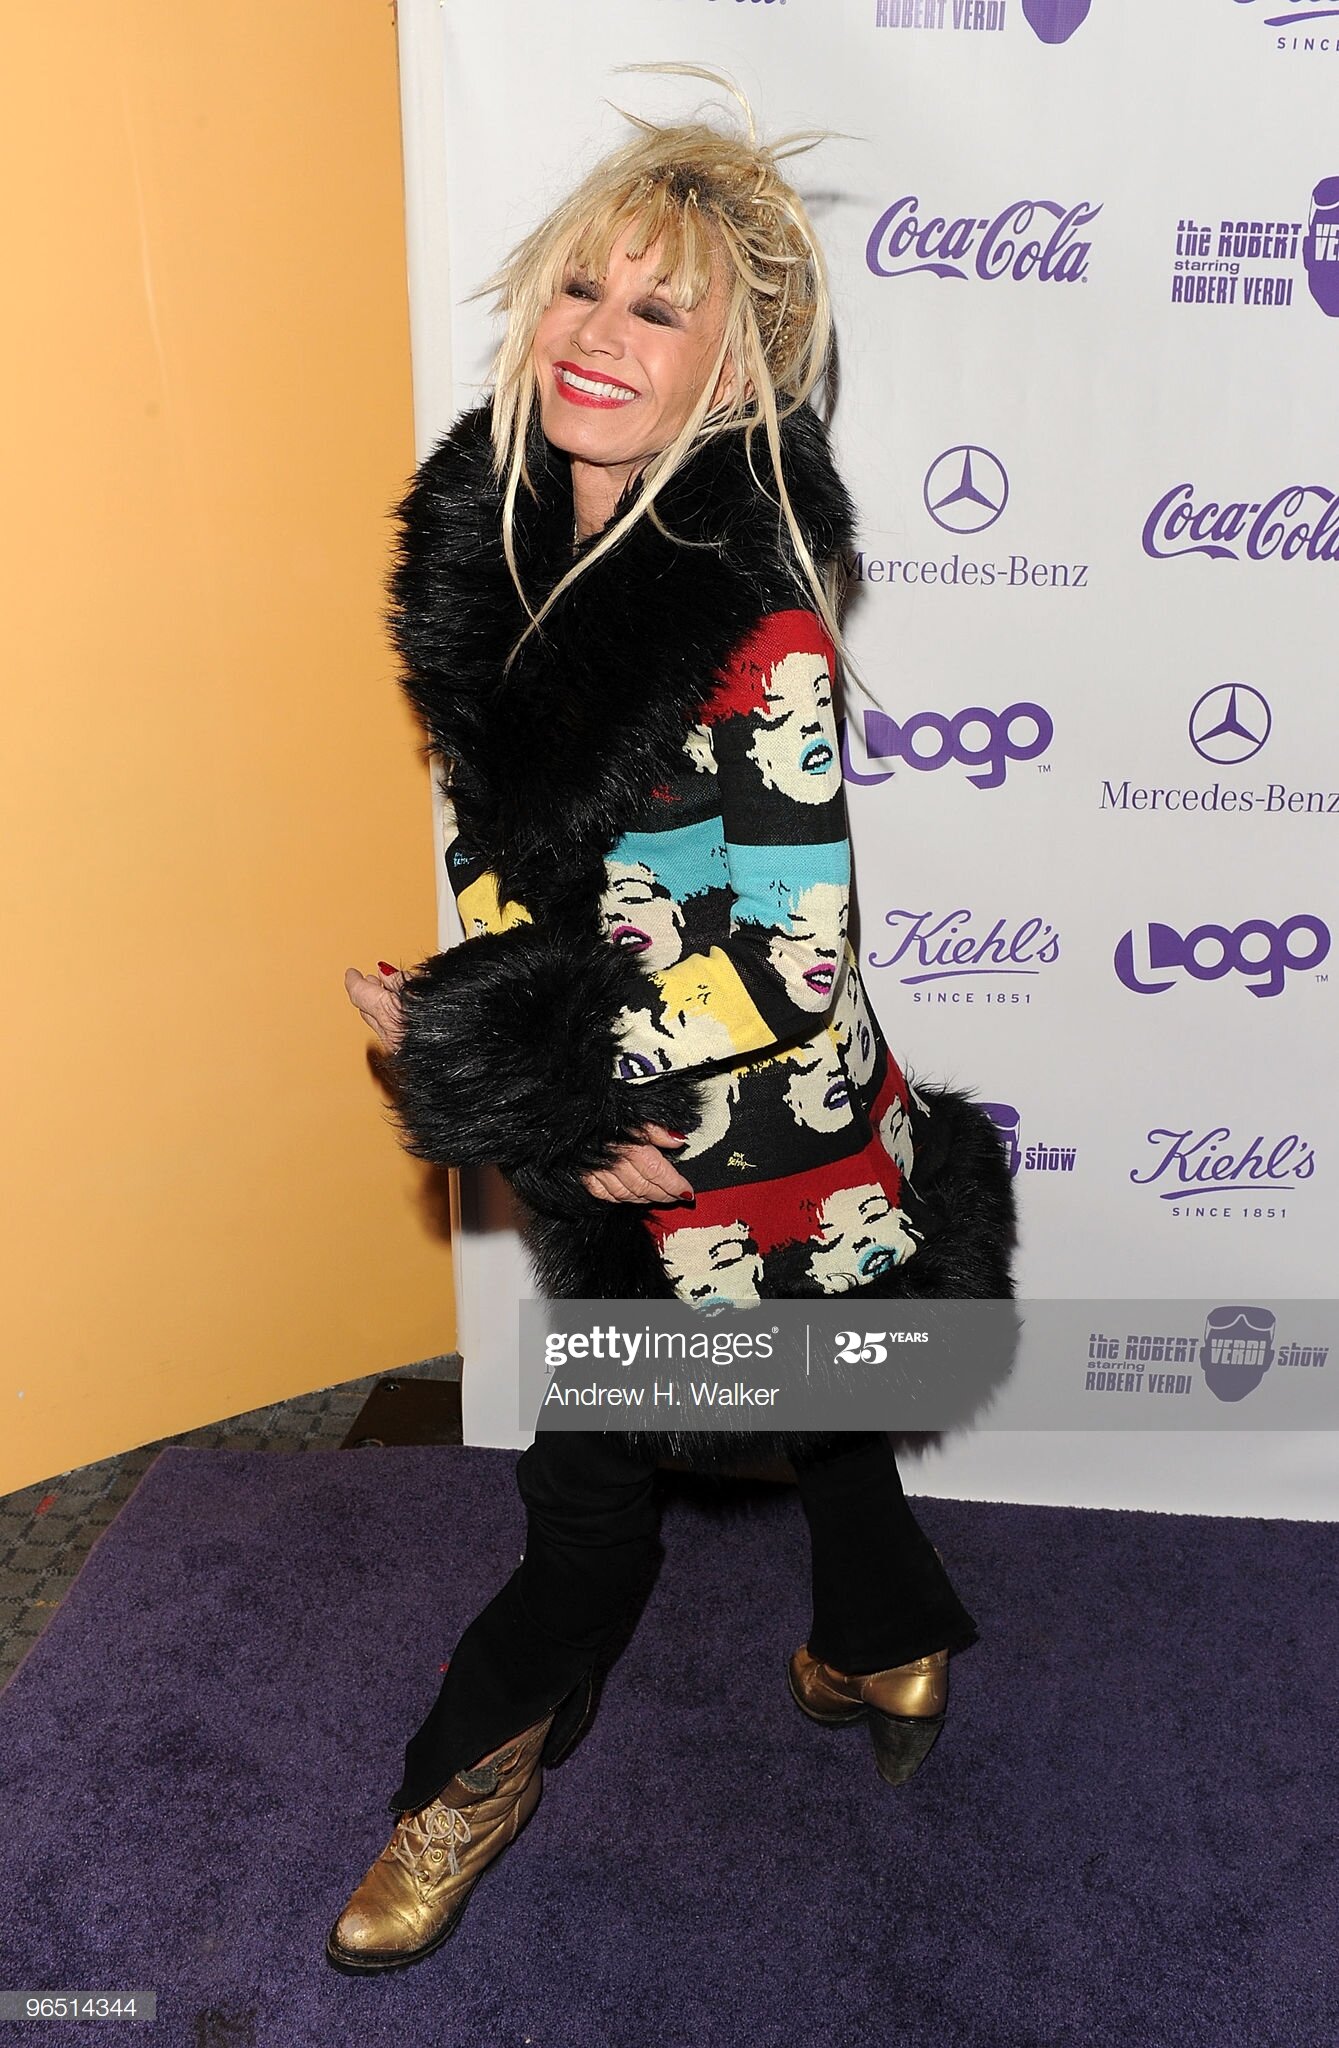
725	385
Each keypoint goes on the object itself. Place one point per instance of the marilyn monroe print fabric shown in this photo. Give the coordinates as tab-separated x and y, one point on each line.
733	895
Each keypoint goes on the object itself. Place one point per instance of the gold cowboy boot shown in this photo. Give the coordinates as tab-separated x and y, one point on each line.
414	1894
904	1705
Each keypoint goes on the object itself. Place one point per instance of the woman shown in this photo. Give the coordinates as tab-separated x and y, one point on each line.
614	601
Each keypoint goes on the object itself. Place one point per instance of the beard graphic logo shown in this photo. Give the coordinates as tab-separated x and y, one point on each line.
1006	1121
1055	20
1320	251
1237	1351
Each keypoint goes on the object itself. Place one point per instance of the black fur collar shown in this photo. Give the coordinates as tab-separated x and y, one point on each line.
552	758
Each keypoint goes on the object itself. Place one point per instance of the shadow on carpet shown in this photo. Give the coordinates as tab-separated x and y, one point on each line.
1126	1834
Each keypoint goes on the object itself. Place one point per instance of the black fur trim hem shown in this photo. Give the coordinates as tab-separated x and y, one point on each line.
508	1059
969	1221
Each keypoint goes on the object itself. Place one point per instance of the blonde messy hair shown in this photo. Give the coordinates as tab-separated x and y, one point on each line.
708	197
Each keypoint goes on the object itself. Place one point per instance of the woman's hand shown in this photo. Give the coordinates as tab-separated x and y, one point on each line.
376	997
641	1172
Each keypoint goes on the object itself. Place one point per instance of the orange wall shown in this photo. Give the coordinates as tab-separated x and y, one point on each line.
214	797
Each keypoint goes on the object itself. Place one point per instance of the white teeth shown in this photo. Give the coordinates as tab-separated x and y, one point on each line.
596	389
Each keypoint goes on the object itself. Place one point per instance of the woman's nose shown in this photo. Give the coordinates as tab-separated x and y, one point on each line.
599	332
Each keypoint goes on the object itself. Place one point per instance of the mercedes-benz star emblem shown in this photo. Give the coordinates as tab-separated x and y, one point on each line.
1230	724
966	489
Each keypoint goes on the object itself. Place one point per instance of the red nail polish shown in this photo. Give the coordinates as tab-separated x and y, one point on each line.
385	966
678	1136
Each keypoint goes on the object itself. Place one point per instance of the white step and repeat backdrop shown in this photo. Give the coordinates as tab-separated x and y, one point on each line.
1085	260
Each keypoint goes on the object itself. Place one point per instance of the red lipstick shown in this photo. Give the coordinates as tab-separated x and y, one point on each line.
577	397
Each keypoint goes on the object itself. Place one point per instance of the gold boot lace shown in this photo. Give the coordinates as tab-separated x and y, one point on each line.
430	1837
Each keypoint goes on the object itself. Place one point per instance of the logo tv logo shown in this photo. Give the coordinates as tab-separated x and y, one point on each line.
1261	952
953	739
1013	244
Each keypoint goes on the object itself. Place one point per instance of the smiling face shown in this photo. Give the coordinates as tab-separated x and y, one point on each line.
640	916
793	738
619	366
862	1236
808	955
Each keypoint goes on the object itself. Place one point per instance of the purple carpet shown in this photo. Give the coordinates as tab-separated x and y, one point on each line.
1126	1834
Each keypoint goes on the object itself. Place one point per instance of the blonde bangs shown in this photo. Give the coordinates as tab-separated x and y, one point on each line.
712	203
639	219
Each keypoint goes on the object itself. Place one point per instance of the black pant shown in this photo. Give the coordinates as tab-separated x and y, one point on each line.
880	1594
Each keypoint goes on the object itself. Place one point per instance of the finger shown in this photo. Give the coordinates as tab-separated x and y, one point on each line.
602	1185
379	1007
641	1170
635	1183
653	1176
664	1177
370	996
659	1134
373	985
361	1005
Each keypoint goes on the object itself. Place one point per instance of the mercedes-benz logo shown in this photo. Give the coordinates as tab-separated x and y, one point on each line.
966	489
1230	724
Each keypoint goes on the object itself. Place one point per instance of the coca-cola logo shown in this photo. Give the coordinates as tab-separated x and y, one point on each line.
1261	952
930	947
1301	519
1030	238
1214	1159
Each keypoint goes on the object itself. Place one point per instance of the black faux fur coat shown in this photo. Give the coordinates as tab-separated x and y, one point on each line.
509	1049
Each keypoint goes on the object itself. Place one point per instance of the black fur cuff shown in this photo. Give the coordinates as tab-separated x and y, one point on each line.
508	1059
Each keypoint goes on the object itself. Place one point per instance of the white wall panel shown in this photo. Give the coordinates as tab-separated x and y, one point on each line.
1137	128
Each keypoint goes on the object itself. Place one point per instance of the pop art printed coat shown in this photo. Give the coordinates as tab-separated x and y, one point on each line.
650	857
